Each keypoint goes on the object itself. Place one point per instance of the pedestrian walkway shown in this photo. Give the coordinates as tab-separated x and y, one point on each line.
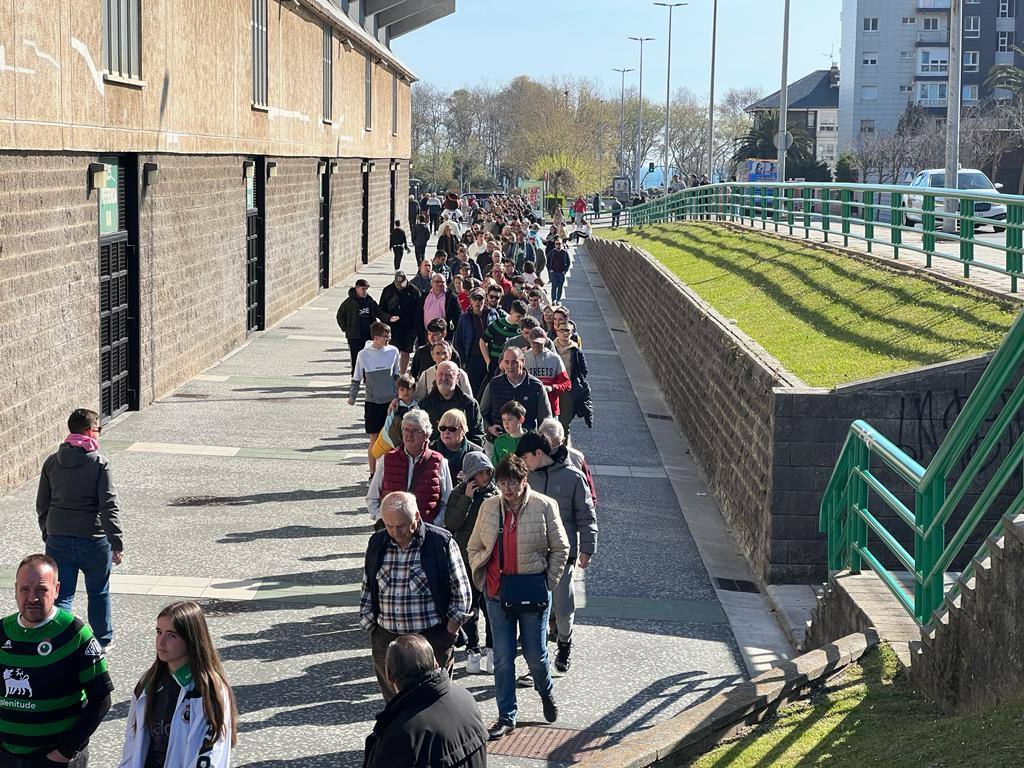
244	489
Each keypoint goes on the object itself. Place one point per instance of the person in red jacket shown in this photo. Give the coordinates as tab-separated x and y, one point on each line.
429	481
547	366
579	208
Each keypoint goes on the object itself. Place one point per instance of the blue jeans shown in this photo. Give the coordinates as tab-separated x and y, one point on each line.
533	629
557	283
93	558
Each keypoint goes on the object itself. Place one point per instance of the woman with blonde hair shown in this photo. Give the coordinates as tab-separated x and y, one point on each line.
183	710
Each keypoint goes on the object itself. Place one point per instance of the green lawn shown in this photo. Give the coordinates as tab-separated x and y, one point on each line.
870	717
828	318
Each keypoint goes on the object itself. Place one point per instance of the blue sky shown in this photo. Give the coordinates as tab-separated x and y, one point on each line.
491	41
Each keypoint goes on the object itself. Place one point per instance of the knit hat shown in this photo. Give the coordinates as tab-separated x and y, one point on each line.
532	441
473	462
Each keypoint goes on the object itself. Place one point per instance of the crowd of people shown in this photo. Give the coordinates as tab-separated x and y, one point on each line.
472	375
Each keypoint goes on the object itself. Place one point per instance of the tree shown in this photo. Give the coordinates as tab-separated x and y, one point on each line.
688	133
759	142
846	168
569	175
1007	76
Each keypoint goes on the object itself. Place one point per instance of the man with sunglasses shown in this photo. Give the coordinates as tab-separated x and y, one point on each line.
78	517
470	330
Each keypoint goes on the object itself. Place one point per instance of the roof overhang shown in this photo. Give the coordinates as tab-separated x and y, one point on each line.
413	14
359	37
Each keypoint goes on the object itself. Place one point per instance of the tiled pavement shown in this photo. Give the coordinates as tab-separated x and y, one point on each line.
244	489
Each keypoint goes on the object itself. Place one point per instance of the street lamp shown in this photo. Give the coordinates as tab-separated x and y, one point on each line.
622	117
781	139
639	106
668	82
711	98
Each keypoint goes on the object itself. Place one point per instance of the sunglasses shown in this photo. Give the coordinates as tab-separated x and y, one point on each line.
449	429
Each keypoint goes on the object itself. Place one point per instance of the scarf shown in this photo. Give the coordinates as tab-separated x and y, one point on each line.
82	441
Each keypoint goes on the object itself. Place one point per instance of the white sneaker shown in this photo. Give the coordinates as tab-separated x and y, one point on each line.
473	663
487	662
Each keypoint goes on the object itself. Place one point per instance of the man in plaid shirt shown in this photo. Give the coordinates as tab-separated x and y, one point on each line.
414	582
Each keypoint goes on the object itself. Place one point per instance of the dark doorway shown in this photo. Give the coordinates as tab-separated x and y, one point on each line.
119	286
367	166
325	224
255	286
394	178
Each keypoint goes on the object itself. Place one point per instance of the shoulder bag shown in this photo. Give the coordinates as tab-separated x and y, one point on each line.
519	592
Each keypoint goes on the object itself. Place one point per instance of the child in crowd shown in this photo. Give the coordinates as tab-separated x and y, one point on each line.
377	365
391	435
513	414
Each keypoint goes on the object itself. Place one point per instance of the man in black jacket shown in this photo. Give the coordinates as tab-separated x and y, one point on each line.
446	395
355	315
430	721
437	331
399	300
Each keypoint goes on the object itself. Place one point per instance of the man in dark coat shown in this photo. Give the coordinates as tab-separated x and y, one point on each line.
355	315
430	722
446	395
399	300
437	330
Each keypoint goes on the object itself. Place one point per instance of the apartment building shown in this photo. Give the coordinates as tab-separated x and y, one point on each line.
177	176
813	101
895	52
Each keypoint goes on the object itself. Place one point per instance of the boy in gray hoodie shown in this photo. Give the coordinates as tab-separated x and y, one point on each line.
377	365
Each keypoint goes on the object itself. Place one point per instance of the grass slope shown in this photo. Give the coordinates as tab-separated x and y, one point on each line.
828	318
869	717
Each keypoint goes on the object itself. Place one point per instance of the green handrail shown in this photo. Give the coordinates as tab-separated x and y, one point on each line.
849	507
876	214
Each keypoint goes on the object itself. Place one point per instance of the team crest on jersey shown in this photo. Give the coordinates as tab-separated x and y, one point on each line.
94	649
45	648
17	682
186	711
7	645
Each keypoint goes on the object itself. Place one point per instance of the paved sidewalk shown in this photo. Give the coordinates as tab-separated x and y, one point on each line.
244	489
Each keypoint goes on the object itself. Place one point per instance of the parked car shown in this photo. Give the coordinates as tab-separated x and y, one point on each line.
969	180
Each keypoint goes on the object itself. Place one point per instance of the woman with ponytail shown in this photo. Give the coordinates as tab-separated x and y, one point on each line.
183	711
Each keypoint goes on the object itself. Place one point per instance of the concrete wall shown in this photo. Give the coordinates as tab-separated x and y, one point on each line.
293	233
767	443
49	306
346	218
195	93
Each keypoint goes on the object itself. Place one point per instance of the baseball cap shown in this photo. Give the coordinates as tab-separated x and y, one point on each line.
399	276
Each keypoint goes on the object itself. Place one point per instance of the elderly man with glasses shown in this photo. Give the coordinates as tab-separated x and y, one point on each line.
445	395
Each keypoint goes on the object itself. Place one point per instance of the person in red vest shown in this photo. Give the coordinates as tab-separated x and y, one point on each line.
415	468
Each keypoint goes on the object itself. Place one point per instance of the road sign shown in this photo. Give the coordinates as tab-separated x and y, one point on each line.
784	140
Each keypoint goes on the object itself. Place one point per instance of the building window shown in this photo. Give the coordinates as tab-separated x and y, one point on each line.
869	59
368	96
328	73
1006	9
122	39
906	89
394	104
259	52
870	23
910	20
969	93
931	94
867	126
868	92
906	55
972	26
1006	42
931	23
934	62
827	125
971	61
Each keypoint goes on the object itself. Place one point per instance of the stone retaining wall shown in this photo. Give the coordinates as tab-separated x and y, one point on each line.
766	442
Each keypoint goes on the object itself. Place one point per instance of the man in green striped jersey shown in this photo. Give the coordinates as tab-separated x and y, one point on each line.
56	687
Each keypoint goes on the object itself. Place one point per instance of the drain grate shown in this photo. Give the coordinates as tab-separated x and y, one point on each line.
659	416
190	396
736	585
538	742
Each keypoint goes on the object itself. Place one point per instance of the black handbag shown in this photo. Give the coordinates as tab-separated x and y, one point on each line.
520	592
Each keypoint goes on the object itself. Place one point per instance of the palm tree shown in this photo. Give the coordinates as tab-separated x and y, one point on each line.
759	142
1008	76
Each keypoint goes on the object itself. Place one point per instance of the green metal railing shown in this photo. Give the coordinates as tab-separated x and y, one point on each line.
873	213
970	459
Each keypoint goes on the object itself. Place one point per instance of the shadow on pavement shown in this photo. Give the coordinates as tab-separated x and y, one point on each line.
299	494
293	532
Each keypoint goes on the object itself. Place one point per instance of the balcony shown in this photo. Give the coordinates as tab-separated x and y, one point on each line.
933	5
1004	57
933	37
931	103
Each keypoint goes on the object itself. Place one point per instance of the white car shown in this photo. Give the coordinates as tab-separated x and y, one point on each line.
968	179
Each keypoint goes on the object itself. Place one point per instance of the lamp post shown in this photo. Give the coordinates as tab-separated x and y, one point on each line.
622	117
953	113
783	96
639	106
668	83
711	98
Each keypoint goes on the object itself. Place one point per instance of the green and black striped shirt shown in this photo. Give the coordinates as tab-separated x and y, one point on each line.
49	673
